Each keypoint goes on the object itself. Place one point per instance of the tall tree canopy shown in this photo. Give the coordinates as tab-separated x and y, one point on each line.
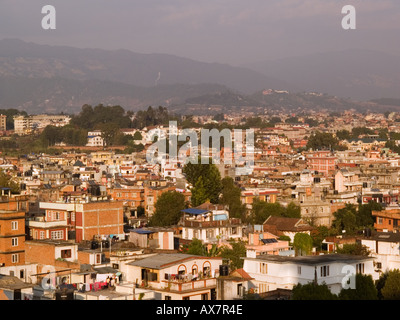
302	244
210	185
90	117
364	289
168	209
391	289
230	196
312	291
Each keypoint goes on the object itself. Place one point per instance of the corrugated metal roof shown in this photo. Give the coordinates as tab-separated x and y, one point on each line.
194	211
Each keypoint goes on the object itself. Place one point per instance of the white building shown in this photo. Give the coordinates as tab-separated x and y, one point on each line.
271	272
26	124
210	226
385	247
177	276
95	139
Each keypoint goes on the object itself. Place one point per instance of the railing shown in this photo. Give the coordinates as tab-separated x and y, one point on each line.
207	224
45	224
191	285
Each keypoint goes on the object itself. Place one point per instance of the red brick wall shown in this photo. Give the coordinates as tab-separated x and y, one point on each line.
37	252
100	218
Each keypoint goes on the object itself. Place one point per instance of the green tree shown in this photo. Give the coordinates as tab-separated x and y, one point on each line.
151	117
292	120
302	244
199	193
211	178
312	291
322	140
196	247
364	216
292	211
391	289
380	283
318	235
364	289
168	209
359	131
137	136
89	118
219	117
345	219
355	249
109	131
230	196
234	254
7	181
343	135
261	210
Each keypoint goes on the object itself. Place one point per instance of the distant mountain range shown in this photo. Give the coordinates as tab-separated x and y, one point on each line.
42	78
356	74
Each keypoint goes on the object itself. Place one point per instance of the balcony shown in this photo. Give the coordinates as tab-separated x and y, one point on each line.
182	283
41	223
211	224
192	285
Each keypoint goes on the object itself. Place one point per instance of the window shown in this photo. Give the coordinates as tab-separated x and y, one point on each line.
206	271
324	271
240	289
380	220
66	253
360	268
186	298
21	274
263	268
41	235
204	296
167	297
57	235
194	270
262	287
14	242
72	216
379	265
15	258
14	225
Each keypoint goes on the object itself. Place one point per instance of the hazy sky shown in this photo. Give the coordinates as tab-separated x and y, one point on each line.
228	31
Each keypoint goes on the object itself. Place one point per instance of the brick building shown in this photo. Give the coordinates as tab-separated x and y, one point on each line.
101	218
387	220
12	231
79	220
321	161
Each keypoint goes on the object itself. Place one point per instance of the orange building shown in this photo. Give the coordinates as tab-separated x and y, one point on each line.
86	220
387	220
321	161
132	197
12	231
152	192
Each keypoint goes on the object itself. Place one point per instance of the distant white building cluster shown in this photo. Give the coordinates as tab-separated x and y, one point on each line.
27	124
